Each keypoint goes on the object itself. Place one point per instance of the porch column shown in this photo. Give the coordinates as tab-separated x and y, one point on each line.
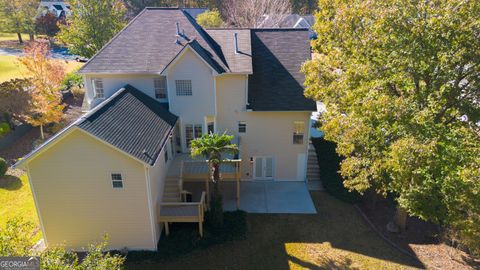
237	178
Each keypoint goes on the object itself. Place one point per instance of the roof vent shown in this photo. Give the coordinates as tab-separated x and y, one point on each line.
178	29
235	42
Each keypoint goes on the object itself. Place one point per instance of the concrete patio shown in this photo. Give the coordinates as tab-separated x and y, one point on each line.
262	196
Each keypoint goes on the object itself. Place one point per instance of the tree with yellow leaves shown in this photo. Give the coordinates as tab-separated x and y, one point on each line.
46	75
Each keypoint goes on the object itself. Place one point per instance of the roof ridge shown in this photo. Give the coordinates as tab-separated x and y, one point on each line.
112	39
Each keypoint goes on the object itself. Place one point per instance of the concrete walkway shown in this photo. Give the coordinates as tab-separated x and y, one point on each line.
264	196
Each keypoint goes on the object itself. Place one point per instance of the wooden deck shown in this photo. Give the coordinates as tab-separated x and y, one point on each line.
183	212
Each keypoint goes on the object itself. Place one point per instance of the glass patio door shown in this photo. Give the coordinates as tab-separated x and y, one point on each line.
192	131
263	168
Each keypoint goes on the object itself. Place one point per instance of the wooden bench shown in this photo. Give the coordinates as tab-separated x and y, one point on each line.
183	212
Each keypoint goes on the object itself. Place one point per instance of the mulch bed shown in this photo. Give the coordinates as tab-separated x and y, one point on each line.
421	239
25	144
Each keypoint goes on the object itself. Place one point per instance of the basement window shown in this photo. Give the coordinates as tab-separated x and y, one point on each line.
117	180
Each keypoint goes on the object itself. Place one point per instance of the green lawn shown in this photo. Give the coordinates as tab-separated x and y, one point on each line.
11	36
9	68
16	200
334	238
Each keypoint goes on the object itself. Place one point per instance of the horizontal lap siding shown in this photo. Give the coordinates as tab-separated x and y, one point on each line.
268	133
77	202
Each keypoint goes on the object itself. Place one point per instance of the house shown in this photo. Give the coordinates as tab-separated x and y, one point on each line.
290	21
59	8
157	85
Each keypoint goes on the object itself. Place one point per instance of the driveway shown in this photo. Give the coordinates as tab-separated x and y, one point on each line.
264	196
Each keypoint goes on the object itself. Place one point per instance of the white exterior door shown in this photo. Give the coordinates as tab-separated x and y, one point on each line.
263	168
192	131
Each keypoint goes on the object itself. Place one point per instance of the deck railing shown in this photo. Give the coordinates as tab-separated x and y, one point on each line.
183	212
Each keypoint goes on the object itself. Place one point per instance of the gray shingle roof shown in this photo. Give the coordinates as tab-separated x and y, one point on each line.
132	122
277	83
147	44
241	62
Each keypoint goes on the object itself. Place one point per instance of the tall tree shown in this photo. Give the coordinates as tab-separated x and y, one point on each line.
250	13
47	24
401	84
46	76
92	24
18	16
213	147
210	19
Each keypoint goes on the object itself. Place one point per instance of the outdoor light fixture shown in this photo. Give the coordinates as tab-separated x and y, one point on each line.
251	160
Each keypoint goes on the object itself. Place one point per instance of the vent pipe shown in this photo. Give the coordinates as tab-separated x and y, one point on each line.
235	42
178	29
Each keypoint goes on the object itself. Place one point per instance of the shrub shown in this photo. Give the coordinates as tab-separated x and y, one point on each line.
3	167
4	129
72	79
16	238
77	91
329	163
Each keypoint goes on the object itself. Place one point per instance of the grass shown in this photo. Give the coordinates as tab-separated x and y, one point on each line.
16	200
4	128
334	238
11	36
11	69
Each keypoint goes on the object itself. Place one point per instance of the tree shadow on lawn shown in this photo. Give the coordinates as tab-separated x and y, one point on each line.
10	182
334	238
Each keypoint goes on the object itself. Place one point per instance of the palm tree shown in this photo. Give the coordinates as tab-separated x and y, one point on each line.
213	147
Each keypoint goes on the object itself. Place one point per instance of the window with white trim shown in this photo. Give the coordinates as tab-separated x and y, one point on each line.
242	126
192	132
117	180
298	132
183	87
160	86
98	88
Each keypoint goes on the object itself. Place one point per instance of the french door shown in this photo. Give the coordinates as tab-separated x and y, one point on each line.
263	168
192	131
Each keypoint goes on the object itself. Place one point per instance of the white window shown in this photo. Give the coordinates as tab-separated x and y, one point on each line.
192	132
117	180
98	88
160	85
298	132
242	127
183	87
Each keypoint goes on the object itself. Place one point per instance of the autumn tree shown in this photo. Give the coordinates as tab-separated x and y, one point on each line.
47	24
15	99
401	84
92	24
18	16
210	19
250	13
46	76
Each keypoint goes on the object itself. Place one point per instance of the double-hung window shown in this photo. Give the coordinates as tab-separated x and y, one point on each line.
183	87
98	88
298	132
160	85
117	180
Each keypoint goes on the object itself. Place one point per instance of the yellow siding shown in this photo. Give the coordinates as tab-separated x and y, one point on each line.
268	133
76	201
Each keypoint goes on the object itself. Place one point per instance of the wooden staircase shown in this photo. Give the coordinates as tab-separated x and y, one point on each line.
171	192
313	170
